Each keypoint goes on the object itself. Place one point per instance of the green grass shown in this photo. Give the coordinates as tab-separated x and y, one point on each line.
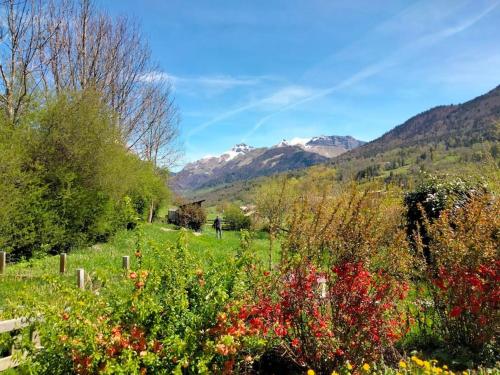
103	262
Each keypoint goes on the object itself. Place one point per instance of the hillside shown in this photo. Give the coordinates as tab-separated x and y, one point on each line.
453	125
245	162
455	140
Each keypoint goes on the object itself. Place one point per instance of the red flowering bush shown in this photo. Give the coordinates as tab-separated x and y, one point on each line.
469	299
322	319
465	272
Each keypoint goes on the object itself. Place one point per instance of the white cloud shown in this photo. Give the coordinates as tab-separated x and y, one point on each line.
210	83
287	95
154	76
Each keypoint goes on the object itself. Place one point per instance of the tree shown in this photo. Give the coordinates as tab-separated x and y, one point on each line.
274	200
235	218
69	45
159	129
22	36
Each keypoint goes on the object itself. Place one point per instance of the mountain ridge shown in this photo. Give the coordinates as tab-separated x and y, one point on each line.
468	122
245	162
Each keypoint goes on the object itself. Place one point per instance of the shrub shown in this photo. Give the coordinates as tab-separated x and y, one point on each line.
349	227
65	175
321	319
159	320
465	272
236	219
191	216
427	202
336	294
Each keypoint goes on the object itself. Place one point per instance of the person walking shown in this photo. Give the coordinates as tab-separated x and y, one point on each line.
218	227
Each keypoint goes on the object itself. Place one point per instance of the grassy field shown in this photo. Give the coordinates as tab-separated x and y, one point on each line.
103	262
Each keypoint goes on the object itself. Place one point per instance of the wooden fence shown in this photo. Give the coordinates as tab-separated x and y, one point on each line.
14	358
12	325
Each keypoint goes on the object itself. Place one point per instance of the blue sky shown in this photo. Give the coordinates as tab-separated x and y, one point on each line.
260	71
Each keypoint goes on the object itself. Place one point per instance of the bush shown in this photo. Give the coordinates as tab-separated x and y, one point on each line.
321	320
427	202
159	320
66	176
191	216
465	272
336	294
236	219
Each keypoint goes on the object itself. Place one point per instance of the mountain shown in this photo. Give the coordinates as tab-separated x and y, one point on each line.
244	162
464	124
451	140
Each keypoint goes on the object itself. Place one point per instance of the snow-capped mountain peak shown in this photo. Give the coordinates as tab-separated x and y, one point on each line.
293	142
237	150
283	143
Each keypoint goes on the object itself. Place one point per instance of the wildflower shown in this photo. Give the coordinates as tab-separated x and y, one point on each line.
402	364
349	366
311	372
335	372
366	367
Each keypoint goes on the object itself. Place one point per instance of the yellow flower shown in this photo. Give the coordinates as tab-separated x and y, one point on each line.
445	367
465	372
310	372
335	373
349	366
402	364
366	367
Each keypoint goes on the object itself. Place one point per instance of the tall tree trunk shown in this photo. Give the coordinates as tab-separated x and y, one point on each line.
151	210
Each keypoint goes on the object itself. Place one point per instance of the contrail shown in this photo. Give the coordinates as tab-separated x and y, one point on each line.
371	70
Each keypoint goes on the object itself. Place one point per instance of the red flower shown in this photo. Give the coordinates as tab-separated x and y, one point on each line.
456	311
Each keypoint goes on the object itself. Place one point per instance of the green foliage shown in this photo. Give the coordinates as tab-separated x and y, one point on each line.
68	178
161	321
429	199
235	218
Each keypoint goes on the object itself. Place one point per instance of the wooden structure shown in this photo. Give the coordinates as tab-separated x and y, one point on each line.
14	359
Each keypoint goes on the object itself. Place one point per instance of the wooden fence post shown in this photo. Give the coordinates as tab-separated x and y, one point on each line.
126	262
3	262
62	263
80	278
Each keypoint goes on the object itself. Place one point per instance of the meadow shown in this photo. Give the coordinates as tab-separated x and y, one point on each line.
103	261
